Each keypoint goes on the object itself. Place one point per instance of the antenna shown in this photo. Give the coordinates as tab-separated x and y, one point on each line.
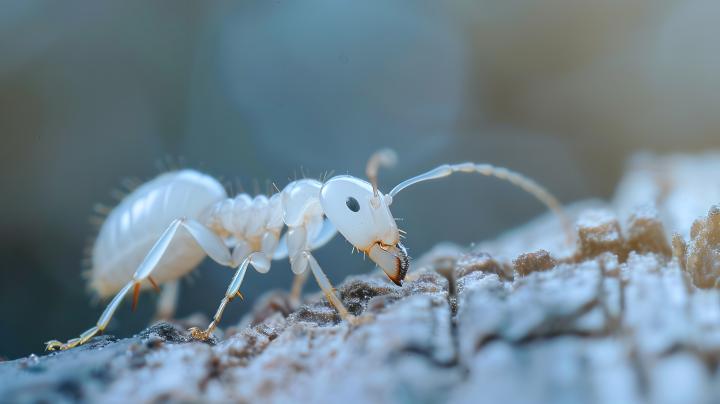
383	157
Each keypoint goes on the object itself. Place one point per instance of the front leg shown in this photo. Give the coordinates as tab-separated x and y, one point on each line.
300	263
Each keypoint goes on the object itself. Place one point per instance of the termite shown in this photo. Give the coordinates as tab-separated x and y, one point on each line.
165	227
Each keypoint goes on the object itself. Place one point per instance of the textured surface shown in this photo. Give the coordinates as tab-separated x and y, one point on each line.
620	317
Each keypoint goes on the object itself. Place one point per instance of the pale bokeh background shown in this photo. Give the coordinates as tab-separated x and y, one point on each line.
558	90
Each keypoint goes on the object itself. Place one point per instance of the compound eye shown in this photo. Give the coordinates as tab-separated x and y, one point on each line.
352	204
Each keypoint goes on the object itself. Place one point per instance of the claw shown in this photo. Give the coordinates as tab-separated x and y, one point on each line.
197	334
51	345
54	344
203	335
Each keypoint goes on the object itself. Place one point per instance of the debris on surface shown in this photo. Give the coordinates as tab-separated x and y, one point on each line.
646	233
533	262
701	256
620	317
599	232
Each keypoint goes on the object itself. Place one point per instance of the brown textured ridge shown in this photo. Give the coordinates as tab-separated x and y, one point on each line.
701	256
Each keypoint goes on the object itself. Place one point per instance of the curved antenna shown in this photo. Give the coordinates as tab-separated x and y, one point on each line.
383	157
503	173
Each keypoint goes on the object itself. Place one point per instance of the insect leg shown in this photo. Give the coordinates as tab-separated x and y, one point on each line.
301	262
318	235
261	263
210	242
326	233
241	251
296	288
167	303
101	324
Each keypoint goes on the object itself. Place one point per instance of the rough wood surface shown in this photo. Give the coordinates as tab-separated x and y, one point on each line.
623	316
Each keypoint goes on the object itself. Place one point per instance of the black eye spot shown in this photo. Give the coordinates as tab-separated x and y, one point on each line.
352	204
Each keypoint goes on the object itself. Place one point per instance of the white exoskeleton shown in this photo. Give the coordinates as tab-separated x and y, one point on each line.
204	221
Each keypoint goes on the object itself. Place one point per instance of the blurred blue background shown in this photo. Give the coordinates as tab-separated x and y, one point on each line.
91	92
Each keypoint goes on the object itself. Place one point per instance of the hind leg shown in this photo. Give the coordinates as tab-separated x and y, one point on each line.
167	303
210	242
297	287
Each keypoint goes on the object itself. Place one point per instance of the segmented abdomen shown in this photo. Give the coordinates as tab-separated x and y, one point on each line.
137	223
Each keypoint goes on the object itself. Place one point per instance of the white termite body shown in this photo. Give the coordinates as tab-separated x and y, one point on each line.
134	226
165	228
